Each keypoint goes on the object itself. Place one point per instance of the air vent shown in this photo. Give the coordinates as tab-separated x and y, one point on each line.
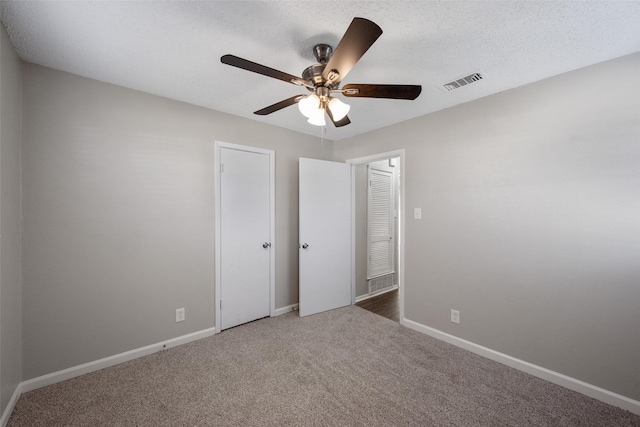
463	81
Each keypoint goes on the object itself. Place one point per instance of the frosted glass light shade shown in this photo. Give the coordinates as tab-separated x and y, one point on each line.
308	105
338	109
317	118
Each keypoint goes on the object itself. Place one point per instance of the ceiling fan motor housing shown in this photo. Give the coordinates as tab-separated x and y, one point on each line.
313	74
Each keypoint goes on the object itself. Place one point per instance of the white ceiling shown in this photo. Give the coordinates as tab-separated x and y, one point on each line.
173	48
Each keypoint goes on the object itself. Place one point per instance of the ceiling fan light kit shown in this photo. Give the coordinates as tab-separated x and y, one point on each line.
317	118
308	105
338	108
323	78
314	104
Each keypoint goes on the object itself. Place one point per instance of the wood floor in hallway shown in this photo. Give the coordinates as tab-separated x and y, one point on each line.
386	305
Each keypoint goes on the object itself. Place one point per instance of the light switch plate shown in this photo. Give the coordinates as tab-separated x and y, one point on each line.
417	213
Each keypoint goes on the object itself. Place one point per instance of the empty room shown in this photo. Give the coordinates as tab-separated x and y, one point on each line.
319	213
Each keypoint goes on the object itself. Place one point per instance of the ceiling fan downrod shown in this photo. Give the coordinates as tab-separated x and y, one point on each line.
322	52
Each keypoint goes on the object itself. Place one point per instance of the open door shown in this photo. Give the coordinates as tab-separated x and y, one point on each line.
326	238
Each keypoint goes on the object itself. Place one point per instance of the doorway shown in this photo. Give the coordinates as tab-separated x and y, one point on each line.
379	268
244	234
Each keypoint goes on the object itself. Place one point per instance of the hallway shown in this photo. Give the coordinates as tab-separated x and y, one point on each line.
386	305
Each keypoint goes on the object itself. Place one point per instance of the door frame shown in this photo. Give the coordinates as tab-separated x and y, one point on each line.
218	226
401	219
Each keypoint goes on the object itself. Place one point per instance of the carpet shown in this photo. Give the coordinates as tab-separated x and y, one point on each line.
345	367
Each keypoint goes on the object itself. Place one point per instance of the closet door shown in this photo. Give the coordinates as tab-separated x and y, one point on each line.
245	243
380	222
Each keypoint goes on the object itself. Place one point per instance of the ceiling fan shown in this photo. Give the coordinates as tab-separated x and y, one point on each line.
323	79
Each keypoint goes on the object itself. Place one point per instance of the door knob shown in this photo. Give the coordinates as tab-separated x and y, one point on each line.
266	245
305	246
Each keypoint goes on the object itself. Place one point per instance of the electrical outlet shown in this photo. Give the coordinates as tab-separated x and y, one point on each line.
455	316
179	314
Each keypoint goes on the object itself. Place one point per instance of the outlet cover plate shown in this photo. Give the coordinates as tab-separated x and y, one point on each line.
455	316
179	314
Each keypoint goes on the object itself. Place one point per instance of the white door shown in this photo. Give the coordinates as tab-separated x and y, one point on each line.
245	244
325	235
380	223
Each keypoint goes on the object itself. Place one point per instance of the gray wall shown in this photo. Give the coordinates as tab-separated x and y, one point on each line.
10	238
118	206
531	207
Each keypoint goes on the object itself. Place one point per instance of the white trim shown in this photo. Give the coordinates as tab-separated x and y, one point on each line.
383	156
540	372
375	294
12	404
353	234
587	389
376	157
96	365
106	362
288	309
272	224
272	231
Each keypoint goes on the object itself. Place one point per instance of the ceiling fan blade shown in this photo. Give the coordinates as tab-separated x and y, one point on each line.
279	105
343	122
260	69
382	91
359	37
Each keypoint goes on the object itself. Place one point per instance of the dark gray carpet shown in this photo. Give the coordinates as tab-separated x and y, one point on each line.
346	367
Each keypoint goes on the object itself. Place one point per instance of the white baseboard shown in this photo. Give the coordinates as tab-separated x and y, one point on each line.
287	309
587	389
96	365
537	371
375	294
12	403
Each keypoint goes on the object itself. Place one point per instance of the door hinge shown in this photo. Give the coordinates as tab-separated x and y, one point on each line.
220	304
221	167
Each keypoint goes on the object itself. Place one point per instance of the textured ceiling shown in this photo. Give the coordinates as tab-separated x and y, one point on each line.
173	48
